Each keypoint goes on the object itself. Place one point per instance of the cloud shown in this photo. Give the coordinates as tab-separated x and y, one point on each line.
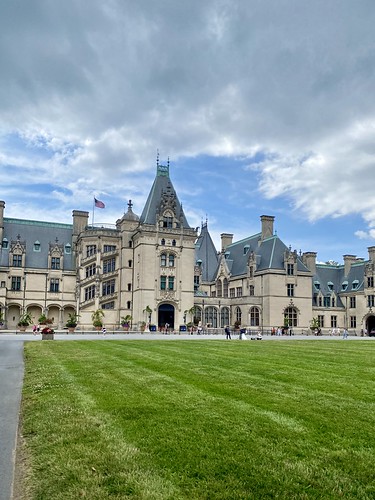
94	90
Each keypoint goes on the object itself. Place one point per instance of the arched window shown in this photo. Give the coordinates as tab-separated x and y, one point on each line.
210	316
219	289
163	259
224	317
173	243
251	290
254	316
171	260
290	314
238	314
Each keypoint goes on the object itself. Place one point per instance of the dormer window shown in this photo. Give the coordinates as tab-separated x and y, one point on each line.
317	285
68	248
37	246
168	222
290	269
330	286
5	243
344	286
355	284
246	248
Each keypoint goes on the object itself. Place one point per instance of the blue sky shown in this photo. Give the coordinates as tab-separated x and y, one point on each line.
263	108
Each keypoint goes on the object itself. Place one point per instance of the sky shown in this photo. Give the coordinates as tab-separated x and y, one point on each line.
263	107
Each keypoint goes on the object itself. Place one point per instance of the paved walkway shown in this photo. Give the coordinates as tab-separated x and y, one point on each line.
12	369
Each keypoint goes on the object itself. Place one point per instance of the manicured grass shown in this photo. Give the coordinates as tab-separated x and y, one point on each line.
200	419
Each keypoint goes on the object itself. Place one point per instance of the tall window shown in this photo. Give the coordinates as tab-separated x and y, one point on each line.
239	291
171	260
327	301
370	282
225	291
219	288
17	260
353	301
90	292
321	321
90	270
163	259
370	300
290	314
251	290
224	316
353	322
108	287
90	250
170	282
290	290
290	269
163	282
16	283
109	265
254	316
55	263
238	314
333	321
54	285
232	293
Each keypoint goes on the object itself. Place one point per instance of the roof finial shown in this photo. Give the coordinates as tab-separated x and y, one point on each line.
130	204
157	157
168	162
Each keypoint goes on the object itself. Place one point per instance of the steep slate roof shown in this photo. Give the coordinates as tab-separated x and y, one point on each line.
161	187
31	231
269	254
206	254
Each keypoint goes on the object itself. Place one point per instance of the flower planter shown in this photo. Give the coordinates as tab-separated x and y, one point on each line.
71	329
22	328
48	336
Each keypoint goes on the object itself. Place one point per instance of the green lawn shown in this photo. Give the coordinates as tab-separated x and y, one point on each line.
200	419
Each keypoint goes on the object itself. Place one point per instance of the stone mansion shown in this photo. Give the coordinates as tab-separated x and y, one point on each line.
157	269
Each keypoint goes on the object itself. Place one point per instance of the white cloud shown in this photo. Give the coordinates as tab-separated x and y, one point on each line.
94	89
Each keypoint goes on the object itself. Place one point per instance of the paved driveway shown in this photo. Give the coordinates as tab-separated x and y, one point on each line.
11	377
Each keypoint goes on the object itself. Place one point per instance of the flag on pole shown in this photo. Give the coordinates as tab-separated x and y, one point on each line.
98	203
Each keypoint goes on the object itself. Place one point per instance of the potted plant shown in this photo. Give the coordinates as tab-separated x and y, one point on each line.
48	333
44	320
143	326
97	318
24	321
72	322
237	325
125	322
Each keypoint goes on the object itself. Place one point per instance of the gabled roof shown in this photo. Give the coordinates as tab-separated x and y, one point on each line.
206	254
162	191
32	232
269	254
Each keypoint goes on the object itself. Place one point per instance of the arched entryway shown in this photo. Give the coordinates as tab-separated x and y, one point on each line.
370	323
166	315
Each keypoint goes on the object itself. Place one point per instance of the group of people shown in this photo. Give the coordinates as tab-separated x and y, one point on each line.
282	331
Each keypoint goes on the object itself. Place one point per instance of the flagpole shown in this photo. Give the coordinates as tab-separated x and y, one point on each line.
93	212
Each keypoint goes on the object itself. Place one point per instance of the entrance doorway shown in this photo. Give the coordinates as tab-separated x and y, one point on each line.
166	315
370	323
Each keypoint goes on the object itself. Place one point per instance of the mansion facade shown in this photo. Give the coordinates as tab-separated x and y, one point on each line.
157	269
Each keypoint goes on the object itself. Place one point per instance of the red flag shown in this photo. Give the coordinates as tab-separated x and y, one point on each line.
98	203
